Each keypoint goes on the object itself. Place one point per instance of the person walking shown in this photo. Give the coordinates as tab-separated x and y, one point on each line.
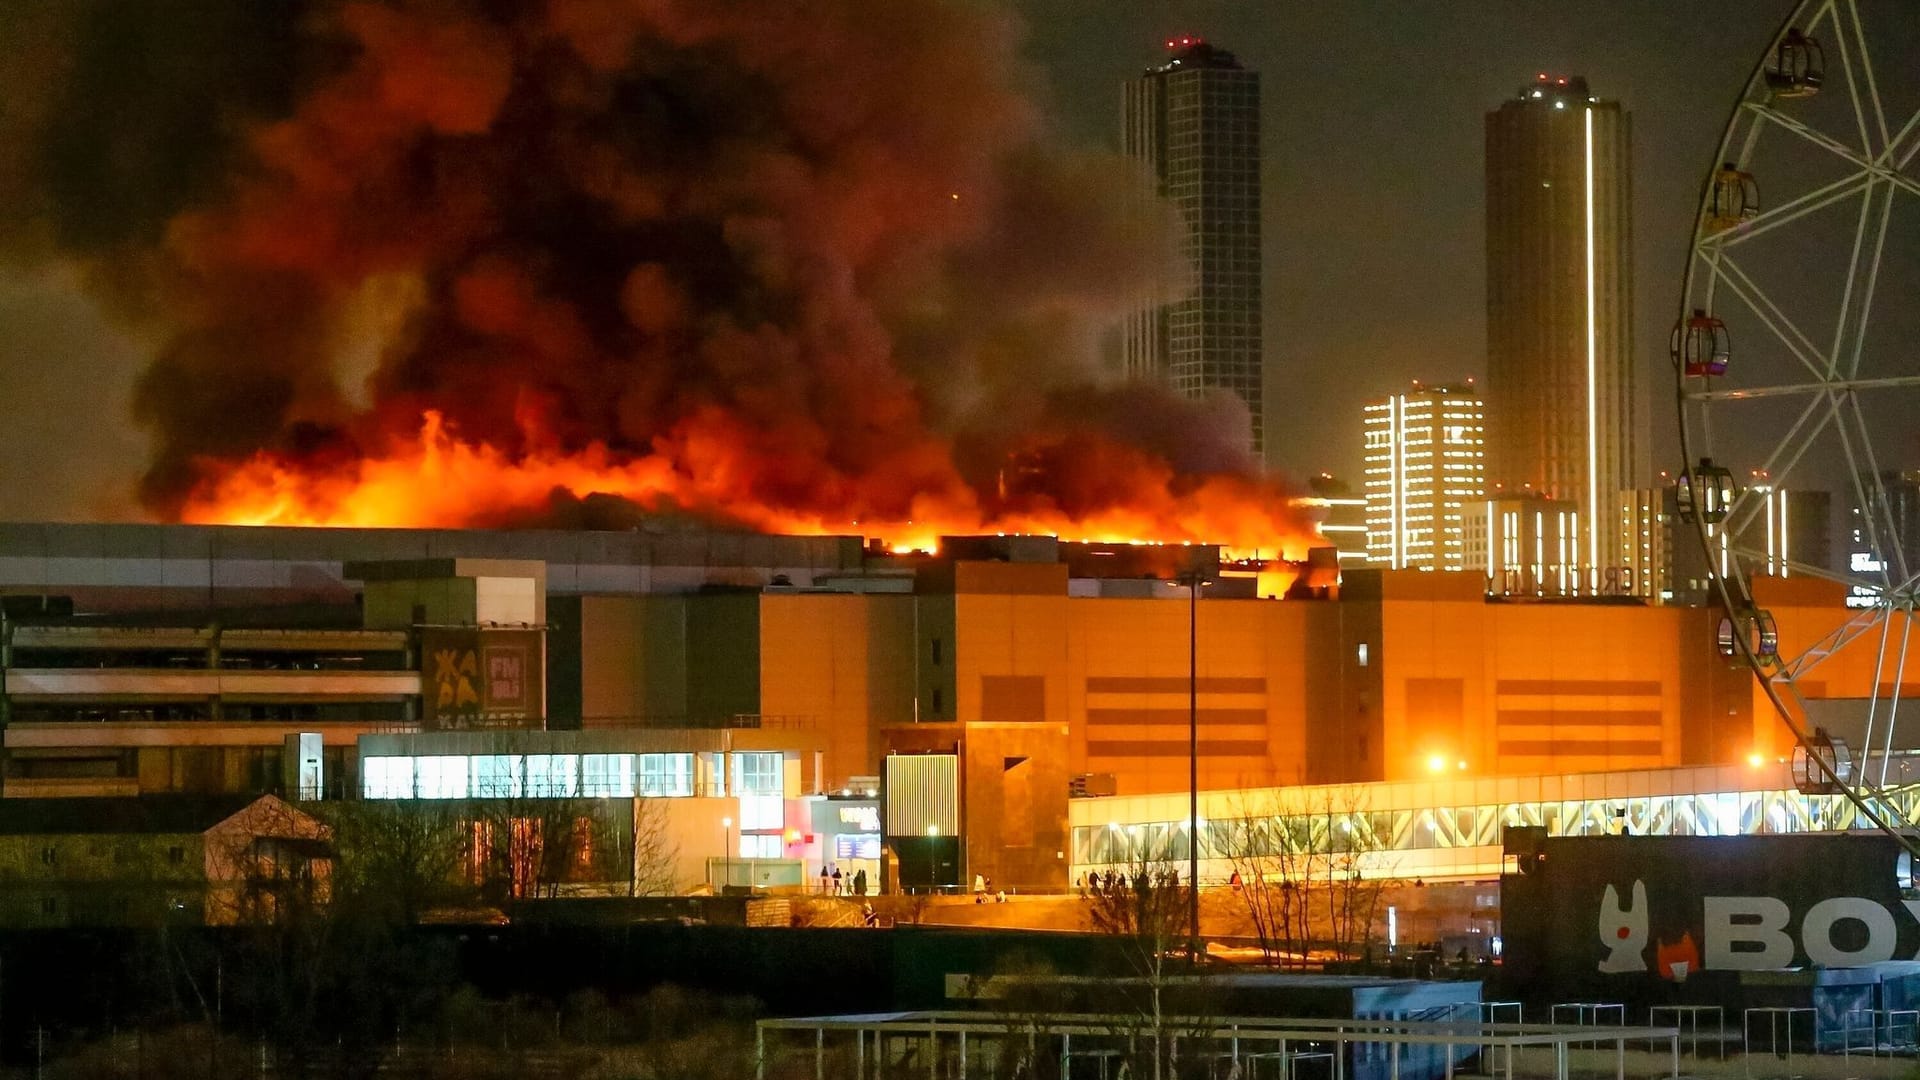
824	877
860	882
836	881
979	889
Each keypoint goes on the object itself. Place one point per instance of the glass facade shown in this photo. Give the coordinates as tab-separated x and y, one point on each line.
1727	813
564	776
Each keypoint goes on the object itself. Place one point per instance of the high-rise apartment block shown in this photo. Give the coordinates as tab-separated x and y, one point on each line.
1195	121
1423	469
1563	414
1526	545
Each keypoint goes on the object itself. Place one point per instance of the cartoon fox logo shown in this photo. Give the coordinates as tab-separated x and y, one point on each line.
1624	933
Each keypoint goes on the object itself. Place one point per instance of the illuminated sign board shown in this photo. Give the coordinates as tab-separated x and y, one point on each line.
865	818
856	846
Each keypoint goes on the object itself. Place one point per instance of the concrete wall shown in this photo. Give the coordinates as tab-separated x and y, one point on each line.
1516	688
838	664
665	659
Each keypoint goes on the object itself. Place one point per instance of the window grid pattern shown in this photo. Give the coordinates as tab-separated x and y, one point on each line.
1732	813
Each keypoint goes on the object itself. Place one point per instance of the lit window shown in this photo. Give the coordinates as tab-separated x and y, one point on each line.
386	778
1360	654
760	847
666	774
606	775
441	778
497	776
553	776
762	812
759	773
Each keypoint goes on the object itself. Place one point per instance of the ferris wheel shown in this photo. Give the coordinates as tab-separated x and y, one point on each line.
1796	356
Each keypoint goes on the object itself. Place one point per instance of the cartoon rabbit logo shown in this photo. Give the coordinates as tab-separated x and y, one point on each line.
1624	933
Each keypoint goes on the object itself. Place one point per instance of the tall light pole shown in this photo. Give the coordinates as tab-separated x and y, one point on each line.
1193	579
933	859
726	853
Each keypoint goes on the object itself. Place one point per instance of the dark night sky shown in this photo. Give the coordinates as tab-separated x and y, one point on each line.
1373	119
1372	130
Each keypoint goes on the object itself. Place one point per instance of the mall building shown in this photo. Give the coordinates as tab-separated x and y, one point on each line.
1016	708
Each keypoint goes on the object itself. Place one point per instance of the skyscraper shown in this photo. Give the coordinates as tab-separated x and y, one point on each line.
1195	121
1423	469
1563	413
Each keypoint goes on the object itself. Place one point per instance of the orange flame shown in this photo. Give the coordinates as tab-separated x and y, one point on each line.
440	480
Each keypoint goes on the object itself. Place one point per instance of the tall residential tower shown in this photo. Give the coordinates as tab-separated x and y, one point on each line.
1563	414
1423	471
1195	120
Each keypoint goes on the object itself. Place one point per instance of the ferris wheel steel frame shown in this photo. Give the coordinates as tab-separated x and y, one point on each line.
1873	175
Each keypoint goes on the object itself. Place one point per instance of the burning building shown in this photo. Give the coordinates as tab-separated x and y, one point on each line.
1039	668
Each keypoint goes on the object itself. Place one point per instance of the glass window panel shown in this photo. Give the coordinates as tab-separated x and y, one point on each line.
760	773
1339	833
760	847
1423	831
1218	840
441	777
1681	816
666	774
606	776
1155	839
762	812
496	776
553	776
1380	823
1486	826
386	778
1639	819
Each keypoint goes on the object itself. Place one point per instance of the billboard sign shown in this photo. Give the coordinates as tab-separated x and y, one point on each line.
481	677
1621	908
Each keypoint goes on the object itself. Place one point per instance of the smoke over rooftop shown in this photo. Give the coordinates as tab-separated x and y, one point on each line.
811	265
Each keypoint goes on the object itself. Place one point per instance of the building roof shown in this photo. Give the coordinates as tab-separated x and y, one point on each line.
148	814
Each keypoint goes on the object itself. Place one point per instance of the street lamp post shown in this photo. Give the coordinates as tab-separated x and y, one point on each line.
726	854
933	859
1193	580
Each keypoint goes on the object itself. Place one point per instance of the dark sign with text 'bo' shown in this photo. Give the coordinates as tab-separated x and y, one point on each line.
1605	910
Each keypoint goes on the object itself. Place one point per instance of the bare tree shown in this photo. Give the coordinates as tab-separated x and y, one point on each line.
1146	909
1352	889
1307	873
339	969
523	847
1275	864
395	860
653	852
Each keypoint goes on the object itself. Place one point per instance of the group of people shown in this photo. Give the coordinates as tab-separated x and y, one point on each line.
1099	884
983	887
834	883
